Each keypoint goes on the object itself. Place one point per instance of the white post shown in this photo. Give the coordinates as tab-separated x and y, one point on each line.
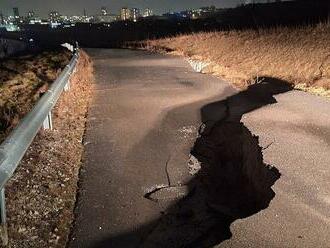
67	86
47	124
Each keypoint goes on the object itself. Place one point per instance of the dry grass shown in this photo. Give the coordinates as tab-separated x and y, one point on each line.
41	195
300	56
22	82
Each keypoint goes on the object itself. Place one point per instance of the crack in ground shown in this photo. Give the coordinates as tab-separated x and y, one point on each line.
179	190
166	171
233	181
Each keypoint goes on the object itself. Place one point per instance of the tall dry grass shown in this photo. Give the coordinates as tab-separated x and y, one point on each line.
300	55
22	82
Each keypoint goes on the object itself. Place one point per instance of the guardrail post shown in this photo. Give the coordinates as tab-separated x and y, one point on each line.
48	124
3	224
67	86
15	146
76	45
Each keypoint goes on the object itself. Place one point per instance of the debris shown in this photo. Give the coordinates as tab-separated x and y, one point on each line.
194	165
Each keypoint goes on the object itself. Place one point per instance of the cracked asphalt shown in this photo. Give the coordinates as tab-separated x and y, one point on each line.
146	108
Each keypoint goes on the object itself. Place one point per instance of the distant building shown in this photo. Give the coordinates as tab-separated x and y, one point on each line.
10	27
204	12
67	20
135	14
147	12
54	16
35	20
125	14
30	14
16	12
106	18
104	11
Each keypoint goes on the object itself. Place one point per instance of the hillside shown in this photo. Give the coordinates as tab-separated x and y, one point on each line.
22	82
298	55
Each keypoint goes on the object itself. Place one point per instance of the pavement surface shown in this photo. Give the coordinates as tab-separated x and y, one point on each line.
140	187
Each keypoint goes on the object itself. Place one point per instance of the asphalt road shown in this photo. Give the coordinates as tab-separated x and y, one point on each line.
137	188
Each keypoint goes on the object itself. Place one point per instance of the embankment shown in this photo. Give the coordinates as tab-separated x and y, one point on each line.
9	47
298	55
23	80
41	194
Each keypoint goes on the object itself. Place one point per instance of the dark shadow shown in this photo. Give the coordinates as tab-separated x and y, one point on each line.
232	182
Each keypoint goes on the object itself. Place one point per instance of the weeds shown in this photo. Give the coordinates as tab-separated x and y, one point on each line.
23	81
298	55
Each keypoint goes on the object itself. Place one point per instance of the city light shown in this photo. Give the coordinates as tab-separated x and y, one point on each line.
58	20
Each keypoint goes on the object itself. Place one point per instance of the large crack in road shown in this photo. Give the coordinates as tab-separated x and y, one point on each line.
233	181
142	128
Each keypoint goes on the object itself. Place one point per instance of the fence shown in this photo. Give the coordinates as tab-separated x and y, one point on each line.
14	147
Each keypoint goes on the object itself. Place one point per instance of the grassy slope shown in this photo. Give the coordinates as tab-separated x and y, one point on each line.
41	194
22	82
300	55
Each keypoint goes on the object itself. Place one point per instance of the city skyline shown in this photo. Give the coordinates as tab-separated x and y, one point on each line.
76	7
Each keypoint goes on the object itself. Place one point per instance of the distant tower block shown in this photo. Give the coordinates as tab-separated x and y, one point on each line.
147	12
104	11
125	14
31	14
16	12
136	14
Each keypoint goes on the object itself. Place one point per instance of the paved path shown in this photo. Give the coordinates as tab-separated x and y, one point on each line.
142	124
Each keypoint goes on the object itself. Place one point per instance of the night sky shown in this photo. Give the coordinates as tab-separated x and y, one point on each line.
71	7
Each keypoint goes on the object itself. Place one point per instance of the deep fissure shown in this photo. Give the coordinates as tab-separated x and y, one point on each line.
233	181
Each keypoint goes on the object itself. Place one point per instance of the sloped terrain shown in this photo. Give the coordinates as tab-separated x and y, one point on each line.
298	55
41	194
22	82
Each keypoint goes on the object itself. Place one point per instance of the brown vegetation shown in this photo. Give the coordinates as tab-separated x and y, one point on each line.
41	195
300	55
22	82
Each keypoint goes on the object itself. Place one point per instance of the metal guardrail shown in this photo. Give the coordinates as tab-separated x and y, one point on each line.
16	144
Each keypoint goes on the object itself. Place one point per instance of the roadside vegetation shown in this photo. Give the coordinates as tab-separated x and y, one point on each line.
298	55
42	193
23	80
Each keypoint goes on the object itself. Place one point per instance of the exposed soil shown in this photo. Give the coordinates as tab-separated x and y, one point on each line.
233	183
231	179
41	194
